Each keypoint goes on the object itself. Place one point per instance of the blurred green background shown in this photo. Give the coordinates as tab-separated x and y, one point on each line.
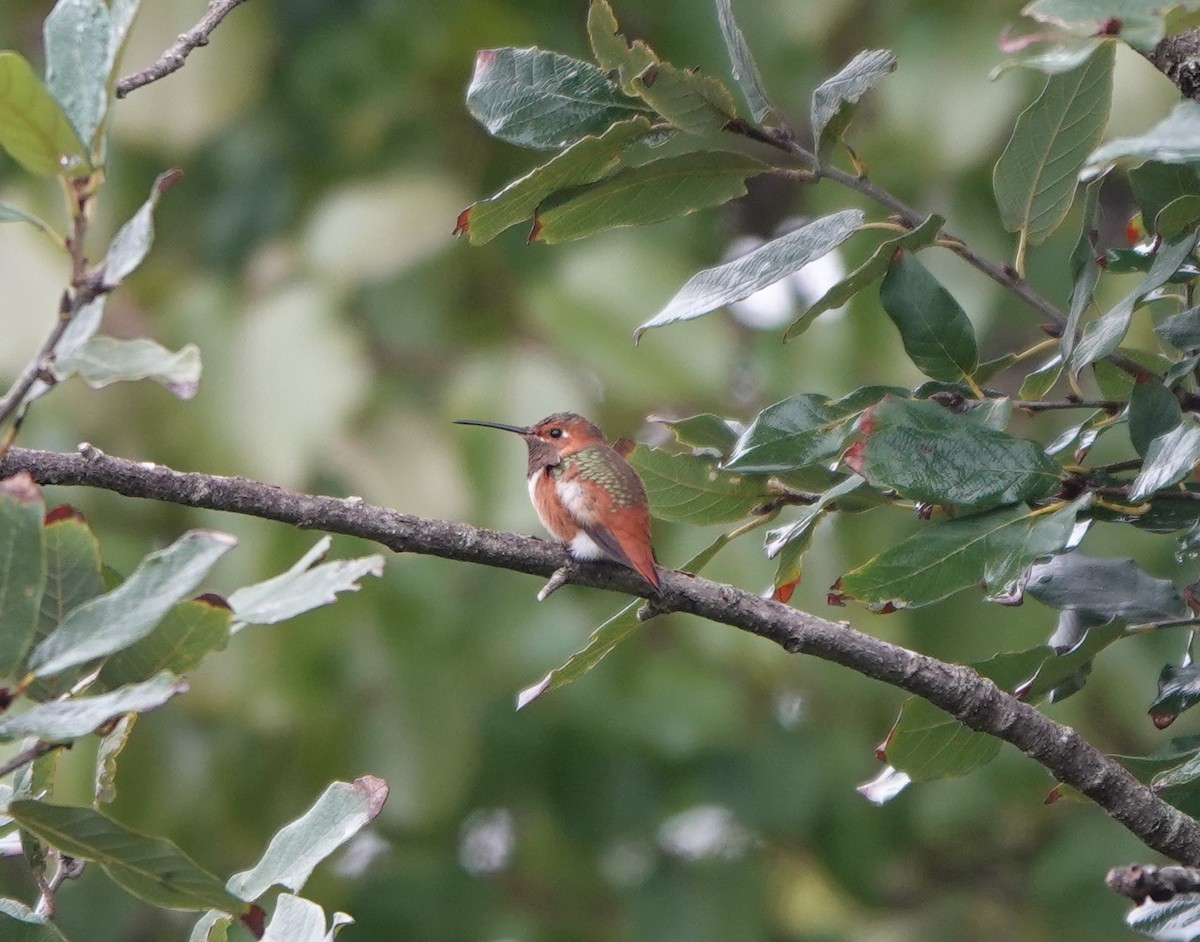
699	785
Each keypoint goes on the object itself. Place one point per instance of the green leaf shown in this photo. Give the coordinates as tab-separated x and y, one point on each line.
1177	217
1174	140
1061	54
133	240
1060	668
800	431
703	431
1178	690
1085	272
302	588
188	633
585	161
936	333
542	99
76	37
1035	177
112	744
211	927
79	716
22	568
12	214
342	810
715	287
1103	335
128	613
993	549
834	100
19	923
103	361
612	632
33	127
693	488
1153	411
1181	330
927	744
649	193
1155	185
1040	381
927	453
745	72
73	575
1169	459
868	272
791	542
151	868
692	102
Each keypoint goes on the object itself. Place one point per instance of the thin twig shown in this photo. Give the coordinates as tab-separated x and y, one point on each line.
1004	275
964	694
1107	405
25	756
172	60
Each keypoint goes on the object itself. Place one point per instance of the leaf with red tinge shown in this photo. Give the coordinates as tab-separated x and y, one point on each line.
63	512
783	590
585	161
1178	690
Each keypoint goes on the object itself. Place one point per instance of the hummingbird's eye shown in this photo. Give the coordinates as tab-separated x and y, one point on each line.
555	433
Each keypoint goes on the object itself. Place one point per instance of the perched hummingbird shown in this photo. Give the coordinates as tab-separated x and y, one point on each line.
585	493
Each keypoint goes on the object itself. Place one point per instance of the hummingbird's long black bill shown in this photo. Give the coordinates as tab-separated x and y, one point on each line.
499	425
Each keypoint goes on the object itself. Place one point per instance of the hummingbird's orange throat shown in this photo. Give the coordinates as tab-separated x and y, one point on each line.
585	493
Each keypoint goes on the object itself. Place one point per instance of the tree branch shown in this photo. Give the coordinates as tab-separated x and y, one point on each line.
172	60
973	700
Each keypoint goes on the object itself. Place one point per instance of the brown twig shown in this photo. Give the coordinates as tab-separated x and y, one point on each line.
25	756
173	59
1145	881
960	691
1106	405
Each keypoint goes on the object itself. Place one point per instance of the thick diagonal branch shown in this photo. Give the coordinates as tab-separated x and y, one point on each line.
961	692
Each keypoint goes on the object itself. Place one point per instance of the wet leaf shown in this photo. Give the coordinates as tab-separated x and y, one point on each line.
936	333
649	193
1035	177
715	287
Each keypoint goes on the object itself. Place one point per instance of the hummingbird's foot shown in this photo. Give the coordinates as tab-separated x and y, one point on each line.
558	579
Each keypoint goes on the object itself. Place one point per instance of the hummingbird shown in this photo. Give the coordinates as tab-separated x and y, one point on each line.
585	492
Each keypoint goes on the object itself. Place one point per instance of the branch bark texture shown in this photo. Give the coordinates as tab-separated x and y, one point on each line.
964	694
